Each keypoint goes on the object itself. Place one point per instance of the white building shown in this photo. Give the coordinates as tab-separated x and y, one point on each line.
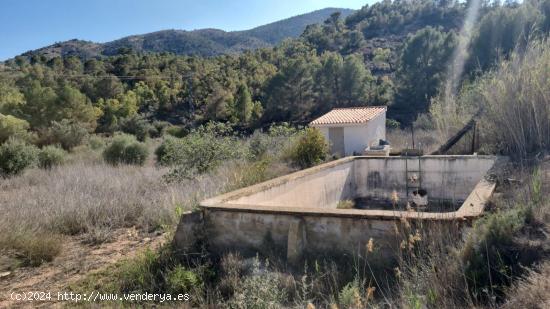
351	130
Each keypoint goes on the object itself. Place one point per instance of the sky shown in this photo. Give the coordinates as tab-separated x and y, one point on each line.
31	24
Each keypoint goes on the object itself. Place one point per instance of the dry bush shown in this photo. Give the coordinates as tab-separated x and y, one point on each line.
440	269
451	113
401	139
87	196
94	199
430	271
532	291
32	248
242	174
232	269
515	100
260	289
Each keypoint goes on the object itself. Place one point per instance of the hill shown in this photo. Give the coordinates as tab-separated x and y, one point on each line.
292	27
202	42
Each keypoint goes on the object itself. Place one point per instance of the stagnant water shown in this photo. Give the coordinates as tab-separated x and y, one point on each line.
377	203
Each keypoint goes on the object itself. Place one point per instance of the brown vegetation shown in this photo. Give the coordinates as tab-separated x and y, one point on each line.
92	199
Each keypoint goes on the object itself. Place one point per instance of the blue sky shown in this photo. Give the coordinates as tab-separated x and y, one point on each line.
30	24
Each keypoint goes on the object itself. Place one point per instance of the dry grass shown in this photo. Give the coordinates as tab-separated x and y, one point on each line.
515	101
533	291
31	248
92	199
441	269
427	140
430	271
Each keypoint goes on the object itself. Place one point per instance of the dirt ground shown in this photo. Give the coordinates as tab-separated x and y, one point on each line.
74	262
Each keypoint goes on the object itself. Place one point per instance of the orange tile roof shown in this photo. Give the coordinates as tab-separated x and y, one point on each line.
349	115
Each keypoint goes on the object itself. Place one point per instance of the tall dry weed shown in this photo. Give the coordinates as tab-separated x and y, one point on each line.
515	102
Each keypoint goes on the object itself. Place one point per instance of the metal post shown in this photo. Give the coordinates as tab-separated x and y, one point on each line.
412	133
474	138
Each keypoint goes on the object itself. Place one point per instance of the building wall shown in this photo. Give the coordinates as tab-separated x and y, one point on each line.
358	137
377	128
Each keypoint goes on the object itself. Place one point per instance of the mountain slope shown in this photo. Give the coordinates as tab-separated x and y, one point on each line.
202	42
292	27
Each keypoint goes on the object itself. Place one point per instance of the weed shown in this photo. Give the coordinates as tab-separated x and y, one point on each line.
345	204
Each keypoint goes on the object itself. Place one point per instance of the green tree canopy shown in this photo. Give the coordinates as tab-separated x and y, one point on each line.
423	66
243	105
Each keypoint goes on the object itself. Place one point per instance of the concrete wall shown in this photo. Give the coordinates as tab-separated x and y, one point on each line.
444	177
324	189
252	232
357	137
296	213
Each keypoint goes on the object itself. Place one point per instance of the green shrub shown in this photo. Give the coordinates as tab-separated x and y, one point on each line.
125	149
66	133
199	152
392	124
176	131
181	280
261	289
310	149
12	127
96	142
136	125
282	130
424	122
158	128
51	156
345	204
15	156
167	146
493	240
258	146
350	295
155	271
136	154
139	274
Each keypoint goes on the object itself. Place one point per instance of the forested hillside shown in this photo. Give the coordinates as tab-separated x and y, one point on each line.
292	27
202	42
394	53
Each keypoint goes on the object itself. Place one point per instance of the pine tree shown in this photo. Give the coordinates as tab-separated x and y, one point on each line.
356	81
243	105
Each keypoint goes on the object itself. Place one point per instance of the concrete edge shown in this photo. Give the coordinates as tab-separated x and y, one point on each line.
272	183
475	203
350	213
472	207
